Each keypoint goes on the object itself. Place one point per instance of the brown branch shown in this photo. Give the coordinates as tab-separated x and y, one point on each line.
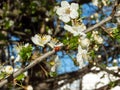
105	20
67	77
80	73
21	70
106	54
100	23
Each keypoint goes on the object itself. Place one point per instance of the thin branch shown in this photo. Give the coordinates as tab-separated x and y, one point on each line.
21	70
98	24
80	73
105	20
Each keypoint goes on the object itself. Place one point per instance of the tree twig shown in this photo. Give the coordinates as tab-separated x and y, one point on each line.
21	70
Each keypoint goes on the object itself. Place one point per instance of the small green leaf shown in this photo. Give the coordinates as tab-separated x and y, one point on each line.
25	52
20	77
53	74
2	75
116	33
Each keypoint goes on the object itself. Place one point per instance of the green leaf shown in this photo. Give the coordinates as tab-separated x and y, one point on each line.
72	42
25	52
2	75
53	74
116	33
20	77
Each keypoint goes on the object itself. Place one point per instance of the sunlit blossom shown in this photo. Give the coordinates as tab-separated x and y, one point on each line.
41	40
67	11
82	56
54	43
76	29
95	2
29	87
84	42
55	64
9	69
98	39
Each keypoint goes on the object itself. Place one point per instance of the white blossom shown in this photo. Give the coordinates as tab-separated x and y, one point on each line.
84	42
54	43
56	64
98	39
9	69
95	2
67	11
41	40
115	61
82	56
76	29
29	87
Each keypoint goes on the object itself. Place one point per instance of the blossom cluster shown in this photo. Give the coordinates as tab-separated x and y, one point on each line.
69	14
8	69
45	39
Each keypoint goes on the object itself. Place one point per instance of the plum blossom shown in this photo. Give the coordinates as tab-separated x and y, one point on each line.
76	29
97	37
67	11
56	63
9	69
54	43
41	40
29	87
95	2
84	42
82	56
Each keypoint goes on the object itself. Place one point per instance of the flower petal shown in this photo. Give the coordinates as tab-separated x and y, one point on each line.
74	6
73	14
59	11
34	40
65	4
70	29
65	19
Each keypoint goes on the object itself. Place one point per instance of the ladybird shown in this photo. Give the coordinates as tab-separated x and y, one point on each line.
57	48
